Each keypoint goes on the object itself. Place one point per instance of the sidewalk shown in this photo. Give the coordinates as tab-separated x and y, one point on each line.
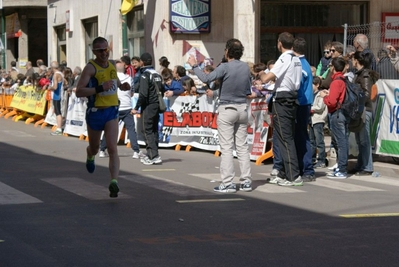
384	165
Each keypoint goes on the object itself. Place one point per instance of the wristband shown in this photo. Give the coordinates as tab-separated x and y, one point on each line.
99	89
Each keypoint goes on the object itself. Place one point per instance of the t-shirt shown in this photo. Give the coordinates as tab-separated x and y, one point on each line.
288	72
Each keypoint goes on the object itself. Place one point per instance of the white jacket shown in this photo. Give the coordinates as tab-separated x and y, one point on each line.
319	110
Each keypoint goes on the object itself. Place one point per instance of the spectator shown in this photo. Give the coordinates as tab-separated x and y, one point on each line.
393	56
149	104
339	122
179	74
172	87
325	60
99	83
189	87
233	115
29	69
305	99
337	50
164	63
269	65
14	71
316	129
361	43
365	78
384	66
56	86
39	62
288	73
129	70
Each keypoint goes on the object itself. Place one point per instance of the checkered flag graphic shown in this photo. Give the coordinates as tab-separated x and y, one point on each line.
166	132
188	107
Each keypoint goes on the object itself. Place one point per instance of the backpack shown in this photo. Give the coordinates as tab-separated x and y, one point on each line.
353	105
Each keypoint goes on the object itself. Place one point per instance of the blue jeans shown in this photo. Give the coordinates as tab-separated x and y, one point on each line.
302	141
365	156
128	119
339	128
316	133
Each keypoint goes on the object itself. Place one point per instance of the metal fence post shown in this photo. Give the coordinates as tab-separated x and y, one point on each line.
345	37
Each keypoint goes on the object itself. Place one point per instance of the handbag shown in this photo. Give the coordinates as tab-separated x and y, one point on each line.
162	106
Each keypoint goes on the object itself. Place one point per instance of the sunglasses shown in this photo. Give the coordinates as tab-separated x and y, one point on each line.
326	51
332	50
101	50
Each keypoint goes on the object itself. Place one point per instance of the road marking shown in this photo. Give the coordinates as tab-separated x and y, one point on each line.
277	189
207	176
9	195
209	200
342	186
166	185
377	180
369	215
83	188
17	133
158	170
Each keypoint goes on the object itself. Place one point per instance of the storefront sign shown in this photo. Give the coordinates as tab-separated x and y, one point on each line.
390	29
192	16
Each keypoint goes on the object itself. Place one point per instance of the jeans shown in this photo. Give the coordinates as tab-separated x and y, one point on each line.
232	124
339	128
302	141
365	156
284	109
128	119
316	133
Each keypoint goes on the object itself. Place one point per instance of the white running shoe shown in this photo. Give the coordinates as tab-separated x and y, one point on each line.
102	154
332	168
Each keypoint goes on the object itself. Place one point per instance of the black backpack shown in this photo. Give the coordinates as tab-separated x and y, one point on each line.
353	105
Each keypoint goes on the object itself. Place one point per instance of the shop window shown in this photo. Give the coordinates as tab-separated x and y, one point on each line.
61	44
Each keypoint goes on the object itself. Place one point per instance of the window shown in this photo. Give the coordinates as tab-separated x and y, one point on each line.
61	44
135	31
316	22
91	32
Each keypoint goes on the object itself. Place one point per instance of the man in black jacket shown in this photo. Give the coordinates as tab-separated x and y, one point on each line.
148	102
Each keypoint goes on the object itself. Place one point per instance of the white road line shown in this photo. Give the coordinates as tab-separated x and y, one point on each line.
207	176
342	186
83	188
17	133
9	195
377	180
166	185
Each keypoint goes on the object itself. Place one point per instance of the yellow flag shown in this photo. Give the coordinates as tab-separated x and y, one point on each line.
127	5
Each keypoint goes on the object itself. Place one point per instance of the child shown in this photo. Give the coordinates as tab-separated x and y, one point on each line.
172	87
325	60
318	117
189	87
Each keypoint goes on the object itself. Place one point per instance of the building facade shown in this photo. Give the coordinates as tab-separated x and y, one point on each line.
151	26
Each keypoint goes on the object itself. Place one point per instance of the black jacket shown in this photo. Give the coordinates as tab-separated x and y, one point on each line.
147	91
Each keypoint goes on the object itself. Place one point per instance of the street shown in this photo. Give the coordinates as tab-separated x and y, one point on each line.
54	213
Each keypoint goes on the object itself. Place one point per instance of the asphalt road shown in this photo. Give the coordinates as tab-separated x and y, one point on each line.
54	213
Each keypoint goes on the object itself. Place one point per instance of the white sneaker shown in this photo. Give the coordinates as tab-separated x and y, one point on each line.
138	155
275	180
332	168
102	154
274	172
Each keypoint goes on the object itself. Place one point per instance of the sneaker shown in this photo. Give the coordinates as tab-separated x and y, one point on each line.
102	154
246	186
90	165
138	155
147	161
274	172
319	165
56	132
332	168
225	189
363	173
157	160
276	180
297	182
337	175
308	178
113	188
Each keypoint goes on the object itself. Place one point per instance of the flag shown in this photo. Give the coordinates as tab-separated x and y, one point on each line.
127	6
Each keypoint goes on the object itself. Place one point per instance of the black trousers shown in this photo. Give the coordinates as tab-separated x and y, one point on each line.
150	120
284	109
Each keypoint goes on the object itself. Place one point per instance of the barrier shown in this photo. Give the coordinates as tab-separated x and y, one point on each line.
190	122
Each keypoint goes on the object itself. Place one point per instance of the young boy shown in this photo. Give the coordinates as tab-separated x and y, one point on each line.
318	118
324	61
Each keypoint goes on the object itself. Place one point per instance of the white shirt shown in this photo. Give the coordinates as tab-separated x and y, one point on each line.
288	72
125	97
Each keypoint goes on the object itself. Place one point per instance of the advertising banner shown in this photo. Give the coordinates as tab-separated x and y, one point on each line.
28	99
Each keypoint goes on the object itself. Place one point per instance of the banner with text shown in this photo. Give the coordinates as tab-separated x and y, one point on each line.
26	98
